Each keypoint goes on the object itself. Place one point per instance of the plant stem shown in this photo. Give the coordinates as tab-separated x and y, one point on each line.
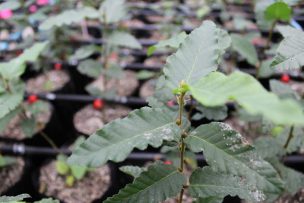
270	33
182	143
49	140
290	136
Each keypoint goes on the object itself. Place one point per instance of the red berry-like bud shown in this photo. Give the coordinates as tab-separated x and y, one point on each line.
168	162
57	66
285	78
32	99
98	104
170	103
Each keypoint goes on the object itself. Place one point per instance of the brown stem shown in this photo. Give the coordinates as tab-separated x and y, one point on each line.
180	200
49	140
270	33
290	136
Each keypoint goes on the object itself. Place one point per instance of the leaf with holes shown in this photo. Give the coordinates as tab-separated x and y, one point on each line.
204	183
227	151
198	55
157	184
216	89
116	140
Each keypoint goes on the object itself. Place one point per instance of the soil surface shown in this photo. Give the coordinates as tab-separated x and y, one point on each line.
91	187
147	89
14	128
50	81
10	175
88	119
124	86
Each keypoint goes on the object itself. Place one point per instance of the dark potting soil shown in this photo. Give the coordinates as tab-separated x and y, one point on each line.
124	86
93	186
88	119
10	175
147	89
14	129
48	82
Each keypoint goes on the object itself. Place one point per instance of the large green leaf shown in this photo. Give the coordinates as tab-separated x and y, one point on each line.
243	46
16	67
113	11
10	199
197	56
216	89
68	17
278	11
290	54
12	5
204	182
173	42
117	139
157	184
227	151
124	39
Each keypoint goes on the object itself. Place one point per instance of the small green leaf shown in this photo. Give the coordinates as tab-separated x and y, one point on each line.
216	89
124	39
213	113
144	74
84	52
265	70
78	171
243	46
278	11
28	126
6	161
157	184
134	171
69	180
174	42
4	121
116	140
90	67
61	166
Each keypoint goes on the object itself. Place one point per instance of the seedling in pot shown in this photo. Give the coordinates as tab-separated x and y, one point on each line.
233	163
12	93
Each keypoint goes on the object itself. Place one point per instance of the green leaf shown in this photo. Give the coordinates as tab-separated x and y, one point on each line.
282	90
78	171
62	167
144	74
84	52
10	199
197	56
216	89
134	171
213	113
294	180
116	140
173	42
124	39
204	182
48	200
290	53
69	17
12	5
227	151
278	11
243	46
6	161
16	67
288	31
4	121
157	184
113	11
265	70
90	67
69	180
259	10
28	126
268	147
10	101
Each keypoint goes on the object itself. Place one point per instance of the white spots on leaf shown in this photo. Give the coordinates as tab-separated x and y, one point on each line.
258	195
